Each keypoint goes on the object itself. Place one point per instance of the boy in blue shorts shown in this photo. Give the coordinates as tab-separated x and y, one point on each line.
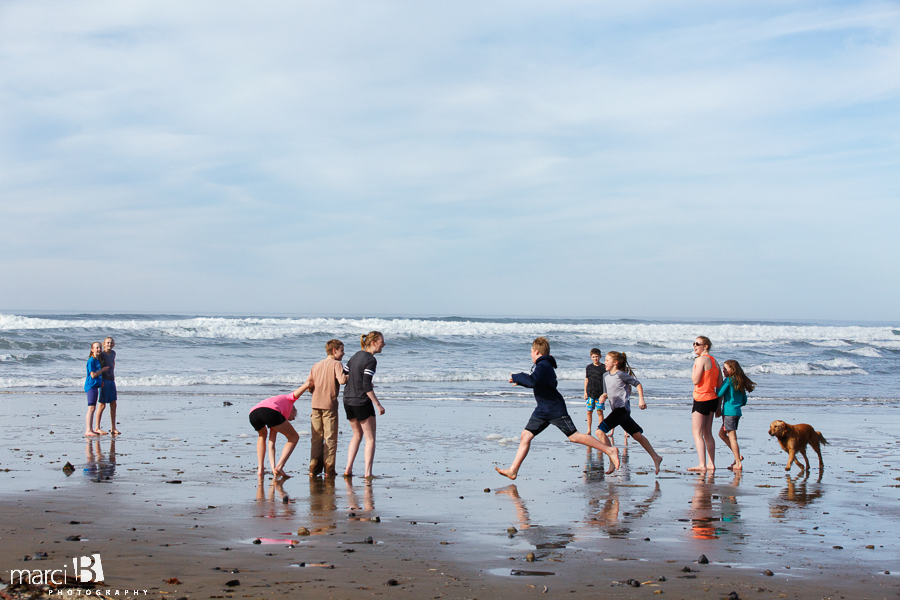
593	388
551	409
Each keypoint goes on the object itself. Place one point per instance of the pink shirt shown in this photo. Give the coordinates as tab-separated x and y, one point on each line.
283	404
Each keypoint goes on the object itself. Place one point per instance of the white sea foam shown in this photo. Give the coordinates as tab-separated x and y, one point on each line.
837	366
868	352
673	335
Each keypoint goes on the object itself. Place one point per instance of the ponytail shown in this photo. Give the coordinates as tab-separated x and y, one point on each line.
622	363
369	338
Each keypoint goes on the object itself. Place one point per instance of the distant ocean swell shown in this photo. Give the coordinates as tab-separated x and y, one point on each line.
834	367
663	335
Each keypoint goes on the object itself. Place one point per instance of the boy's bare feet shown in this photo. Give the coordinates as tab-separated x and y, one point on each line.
615	462
348	475
116	432
698	468
90	434
506	473
656	462
281	473
99	431
736	467
731	468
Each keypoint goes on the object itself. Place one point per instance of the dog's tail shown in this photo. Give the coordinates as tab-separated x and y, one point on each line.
822	439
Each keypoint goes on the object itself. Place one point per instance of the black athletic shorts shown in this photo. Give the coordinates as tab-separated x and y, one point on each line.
265	417
620	417
360	413
707	407
537	424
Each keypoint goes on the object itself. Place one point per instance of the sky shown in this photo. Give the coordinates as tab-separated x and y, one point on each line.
721	160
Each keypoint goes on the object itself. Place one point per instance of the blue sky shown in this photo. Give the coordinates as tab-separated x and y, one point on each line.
598	159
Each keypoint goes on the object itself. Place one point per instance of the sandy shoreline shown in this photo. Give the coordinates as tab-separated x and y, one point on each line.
587	529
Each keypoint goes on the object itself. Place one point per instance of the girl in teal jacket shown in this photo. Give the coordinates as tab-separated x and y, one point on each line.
734	395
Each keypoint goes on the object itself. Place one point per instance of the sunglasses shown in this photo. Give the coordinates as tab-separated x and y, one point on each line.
698	344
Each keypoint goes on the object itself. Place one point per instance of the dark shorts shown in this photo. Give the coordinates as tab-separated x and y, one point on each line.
361	412
706	407
92	395
108	392
265	417
730	423
620	417
537	424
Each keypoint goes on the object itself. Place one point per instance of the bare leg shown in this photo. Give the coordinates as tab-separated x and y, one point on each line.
100	408
270	448
368	427
261	452
288	431
697	430
643	441
733	444
612	453
89	422
112	417
590	419
710	440
354	446
524	446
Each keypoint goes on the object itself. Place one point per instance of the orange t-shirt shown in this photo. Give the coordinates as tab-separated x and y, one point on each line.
706	389
328	375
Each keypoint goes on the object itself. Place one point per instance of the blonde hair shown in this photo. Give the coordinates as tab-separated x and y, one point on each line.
706	341
332	345
369	339
621	361
92	348
542	345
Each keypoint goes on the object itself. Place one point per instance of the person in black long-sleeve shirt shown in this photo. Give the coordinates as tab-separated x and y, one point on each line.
551	409
360	400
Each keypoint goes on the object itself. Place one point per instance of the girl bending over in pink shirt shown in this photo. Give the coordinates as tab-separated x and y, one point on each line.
271	417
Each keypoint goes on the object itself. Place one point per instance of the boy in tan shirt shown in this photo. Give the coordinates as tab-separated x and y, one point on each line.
328	375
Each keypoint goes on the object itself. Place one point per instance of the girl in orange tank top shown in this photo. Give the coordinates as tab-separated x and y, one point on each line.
706	381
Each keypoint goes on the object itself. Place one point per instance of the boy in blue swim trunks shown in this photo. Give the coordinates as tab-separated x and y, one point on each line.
593	388
551	409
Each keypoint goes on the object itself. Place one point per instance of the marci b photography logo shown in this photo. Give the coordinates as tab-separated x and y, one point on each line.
88	569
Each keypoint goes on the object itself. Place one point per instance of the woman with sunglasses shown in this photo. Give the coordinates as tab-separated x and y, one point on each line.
707	379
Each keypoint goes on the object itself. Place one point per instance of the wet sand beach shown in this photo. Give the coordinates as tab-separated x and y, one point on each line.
440	519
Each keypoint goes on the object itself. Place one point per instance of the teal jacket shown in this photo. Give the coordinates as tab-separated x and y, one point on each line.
734	399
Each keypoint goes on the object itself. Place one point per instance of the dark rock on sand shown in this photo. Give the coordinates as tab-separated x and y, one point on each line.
486	490
257	541
870	547
226	403
530	557
68	468
174	481
286	500
686	570
74	522
703	560
375	519
303	531
838	547
369	540
768	573
663	578
73	538
391	582
733	596
233	583
633	583
511	530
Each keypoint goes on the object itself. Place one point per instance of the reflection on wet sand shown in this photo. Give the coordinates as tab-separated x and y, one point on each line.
322	504
97	466
703	520
607	515
270	507
522	516
797	494
353	499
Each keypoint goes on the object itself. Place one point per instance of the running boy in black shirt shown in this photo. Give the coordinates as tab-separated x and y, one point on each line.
551	409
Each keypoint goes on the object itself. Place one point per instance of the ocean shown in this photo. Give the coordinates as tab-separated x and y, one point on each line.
452	358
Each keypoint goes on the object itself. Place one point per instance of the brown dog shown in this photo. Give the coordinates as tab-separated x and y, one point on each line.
794	438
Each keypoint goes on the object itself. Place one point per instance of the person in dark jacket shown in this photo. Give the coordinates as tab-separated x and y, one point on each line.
551	409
